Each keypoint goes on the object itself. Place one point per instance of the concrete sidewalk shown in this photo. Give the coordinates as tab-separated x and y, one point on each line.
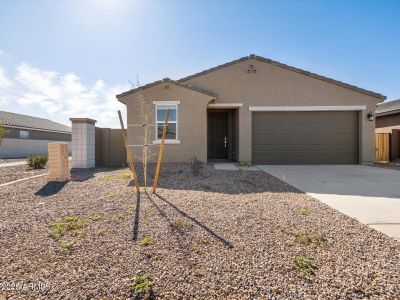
369	194
12	164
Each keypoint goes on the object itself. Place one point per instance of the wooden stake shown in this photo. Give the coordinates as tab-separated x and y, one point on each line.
129	154
161	153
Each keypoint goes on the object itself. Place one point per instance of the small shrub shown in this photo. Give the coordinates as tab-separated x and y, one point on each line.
196	166
95	218
124	175
145	241
319	239
199	273
111	194
72	224
67	246
244	164
58	229
305	238
181	225
74	232
124	215
305	211
142	286
301	237
101	232
37	161
305	266
71	218
149	212
196	250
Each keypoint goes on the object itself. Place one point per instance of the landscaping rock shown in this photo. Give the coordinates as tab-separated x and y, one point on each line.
218	235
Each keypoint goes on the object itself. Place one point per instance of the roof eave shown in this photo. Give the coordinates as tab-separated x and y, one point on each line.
386	113
165	80
293	69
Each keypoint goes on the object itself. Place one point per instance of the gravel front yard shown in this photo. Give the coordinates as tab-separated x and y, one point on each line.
223	235
8	174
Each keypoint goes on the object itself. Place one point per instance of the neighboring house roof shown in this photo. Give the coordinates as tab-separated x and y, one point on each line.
388	108
28	122
181	84
300	71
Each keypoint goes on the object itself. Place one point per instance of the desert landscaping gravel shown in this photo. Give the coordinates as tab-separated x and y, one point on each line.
219	235
8	174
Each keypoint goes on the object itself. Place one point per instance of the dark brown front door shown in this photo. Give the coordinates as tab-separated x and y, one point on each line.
217	135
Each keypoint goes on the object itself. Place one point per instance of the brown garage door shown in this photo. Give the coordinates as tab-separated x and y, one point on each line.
305	137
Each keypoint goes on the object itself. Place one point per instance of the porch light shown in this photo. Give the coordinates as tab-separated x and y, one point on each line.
371	116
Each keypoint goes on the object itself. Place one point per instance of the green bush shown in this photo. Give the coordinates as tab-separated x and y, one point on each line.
196	166
37	161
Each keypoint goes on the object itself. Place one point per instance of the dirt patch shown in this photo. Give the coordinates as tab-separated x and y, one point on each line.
222	235
8	174
395	165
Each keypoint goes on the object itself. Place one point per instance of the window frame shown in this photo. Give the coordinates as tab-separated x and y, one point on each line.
157	122
24	137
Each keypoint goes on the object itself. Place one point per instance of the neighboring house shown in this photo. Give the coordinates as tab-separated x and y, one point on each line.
26	135
260	111
388	121
388	116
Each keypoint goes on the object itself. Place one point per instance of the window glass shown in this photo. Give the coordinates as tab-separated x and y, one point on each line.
162	110
24	134
171	131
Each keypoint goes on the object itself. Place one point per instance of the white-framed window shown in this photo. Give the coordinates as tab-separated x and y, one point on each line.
24	134
172	129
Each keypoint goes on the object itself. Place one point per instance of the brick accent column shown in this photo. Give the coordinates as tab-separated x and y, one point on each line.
83	143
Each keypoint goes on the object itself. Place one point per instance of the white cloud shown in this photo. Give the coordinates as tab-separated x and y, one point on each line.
4	81
61	96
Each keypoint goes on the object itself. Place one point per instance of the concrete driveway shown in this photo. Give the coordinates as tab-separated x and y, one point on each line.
369	194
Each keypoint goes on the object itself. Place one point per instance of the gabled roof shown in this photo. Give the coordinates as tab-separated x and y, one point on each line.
28	122
387	108
300	71
181	84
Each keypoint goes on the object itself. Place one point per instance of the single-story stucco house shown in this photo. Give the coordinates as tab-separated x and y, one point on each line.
388	121
388	116
257	110
27	135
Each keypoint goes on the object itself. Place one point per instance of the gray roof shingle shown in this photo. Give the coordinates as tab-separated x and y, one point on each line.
389	107
28	122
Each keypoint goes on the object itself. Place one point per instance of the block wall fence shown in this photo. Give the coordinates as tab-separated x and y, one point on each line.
83	143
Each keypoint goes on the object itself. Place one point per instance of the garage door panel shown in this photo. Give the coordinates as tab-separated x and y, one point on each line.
305	137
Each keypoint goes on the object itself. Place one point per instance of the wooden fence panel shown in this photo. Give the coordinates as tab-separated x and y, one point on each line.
382	146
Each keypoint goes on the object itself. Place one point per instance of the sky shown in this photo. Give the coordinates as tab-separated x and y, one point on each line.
62	59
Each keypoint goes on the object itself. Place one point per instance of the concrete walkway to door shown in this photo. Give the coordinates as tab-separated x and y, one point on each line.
369	194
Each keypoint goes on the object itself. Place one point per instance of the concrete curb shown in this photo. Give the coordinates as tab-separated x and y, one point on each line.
20	180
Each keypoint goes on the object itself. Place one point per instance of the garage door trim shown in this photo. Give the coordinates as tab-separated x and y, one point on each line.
309	108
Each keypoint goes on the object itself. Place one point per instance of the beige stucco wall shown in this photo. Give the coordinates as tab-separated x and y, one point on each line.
192	122
270	85
273	85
